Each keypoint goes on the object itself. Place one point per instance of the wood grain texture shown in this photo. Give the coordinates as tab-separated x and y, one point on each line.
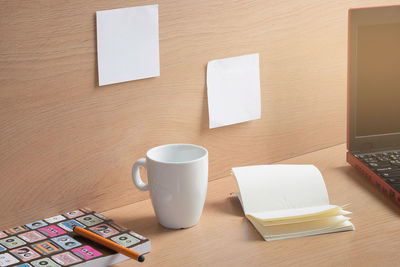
66	143
224	237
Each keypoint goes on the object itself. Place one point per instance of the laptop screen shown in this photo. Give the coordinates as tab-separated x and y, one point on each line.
374	79
378	80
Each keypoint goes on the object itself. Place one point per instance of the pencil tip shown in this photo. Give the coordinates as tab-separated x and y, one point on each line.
141	258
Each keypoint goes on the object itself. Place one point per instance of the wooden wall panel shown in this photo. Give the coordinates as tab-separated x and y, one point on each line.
66	143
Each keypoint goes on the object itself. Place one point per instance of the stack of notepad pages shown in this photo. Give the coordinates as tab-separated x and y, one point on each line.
285	201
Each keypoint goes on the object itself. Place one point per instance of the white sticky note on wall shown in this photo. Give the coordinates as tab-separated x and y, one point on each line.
233	90
127	44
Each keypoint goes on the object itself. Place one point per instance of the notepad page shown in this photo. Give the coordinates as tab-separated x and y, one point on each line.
334	224
286	214
345	226
323	215
303	227
295	215
267	189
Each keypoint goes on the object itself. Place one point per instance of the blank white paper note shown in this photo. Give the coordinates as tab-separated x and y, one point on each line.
282	188
127	44
233	90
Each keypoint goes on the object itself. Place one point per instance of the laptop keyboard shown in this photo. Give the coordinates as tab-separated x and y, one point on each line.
385	164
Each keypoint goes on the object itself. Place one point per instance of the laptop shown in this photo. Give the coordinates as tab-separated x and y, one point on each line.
373	130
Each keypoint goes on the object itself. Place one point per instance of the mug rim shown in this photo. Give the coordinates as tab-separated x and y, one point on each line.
177	144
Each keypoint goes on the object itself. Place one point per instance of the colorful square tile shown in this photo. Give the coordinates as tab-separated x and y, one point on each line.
66	242
25	253
44	262
89	220
24	265
73	214
2	234
86	252
66	258
55	219
2	248
7	259
36	225
52	231
104	230
12	242
17	230
125	240
46	247
32	236
69	225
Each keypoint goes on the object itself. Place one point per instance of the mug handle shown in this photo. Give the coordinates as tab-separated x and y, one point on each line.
137	180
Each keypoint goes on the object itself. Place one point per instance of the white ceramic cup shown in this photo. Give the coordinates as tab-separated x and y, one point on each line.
177	177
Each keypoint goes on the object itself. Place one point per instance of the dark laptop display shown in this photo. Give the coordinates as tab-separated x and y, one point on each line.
374	96
378	79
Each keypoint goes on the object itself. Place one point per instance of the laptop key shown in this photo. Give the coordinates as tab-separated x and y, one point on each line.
383	158
389	174
385	175
375	165
387	169
394	180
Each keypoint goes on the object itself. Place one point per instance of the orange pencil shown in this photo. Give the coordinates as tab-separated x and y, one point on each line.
108	243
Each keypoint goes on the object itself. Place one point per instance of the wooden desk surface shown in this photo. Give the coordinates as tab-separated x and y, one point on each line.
224	237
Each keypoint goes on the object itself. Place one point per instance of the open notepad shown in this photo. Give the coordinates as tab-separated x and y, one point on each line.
285	201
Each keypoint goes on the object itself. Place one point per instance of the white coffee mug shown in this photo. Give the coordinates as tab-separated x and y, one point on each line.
177	177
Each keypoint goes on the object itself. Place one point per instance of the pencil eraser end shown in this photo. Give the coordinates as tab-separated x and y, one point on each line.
141	258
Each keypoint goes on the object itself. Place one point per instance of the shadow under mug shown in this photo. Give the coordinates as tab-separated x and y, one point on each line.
177	177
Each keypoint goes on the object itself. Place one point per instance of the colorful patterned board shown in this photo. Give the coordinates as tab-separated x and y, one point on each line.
52	243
